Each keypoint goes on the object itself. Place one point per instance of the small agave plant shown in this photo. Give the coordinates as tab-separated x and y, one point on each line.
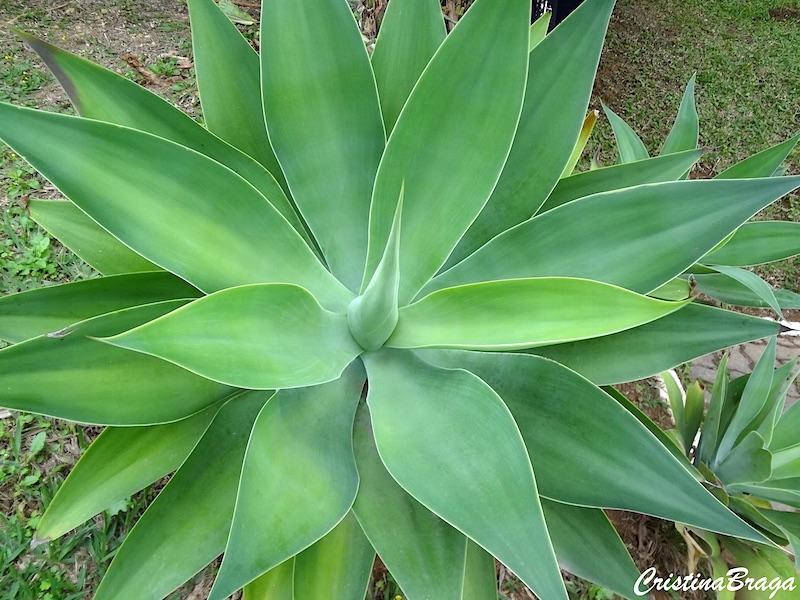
361	311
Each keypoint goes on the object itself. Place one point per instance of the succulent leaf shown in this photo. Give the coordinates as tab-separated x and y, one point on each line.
766	163
630	147
754	283
758	243
685	132
539	30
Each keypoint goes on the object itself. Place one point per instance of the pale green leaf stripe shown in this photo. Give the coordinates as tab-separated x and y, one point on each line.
685	132
630	147
101	94
78	378
539	30
480	574
185	528
276	584
423	553
758	243
523	313
48	309
628	237
337	566
119	463
753	282
410	34
449	440
298	481
763	164
616	177
168	215
469	98
588	450
267	336
93	244
587	545
324	121
730	291
637	353
229	84
560	79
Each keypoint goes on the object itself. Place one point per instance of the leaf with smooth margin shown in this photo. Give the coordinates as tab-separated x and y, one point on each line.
568	426
786	463
711	432
298	481
754	283
560	80
119	463
469	97
71	376
480	574
693	415
786	491
583	138
674	289
423	553
766	163
185	527
730	291
324	121
676	396
786	433
788	523
758	243
101	94
264	336
337	566
411	32
477	478
653	170
523	313
229	84
685	132
275	584
748	462
539	30
48	309
782	381
637	353
633	237
630	147
587	545
117	176
754	397
93	244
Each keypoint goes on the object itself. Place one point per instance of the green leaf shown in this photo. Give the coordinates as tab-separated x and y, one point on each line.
677	398
49	309
119	463
587	545
73	228
758	243
606	179
583	138
754	283
539	30
119	177
764	164
275	584
560	79
782	381
630	147
266	336
298	481
762	563
423	553
185	528
337	566
70	376
685	132
637	353
633	237
588	450
787	429
523	313
693	415
469	98
480	575
730	291
712	432
674	289
410	34
786	491
229	83
449	440
104	95
748	462
324	121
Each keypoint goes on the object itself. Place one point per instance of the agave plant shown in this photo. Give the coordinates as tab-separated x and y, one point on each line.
360	311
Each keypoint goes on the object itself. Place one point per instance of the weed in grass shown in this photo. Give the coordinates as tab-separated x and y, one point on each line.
165	67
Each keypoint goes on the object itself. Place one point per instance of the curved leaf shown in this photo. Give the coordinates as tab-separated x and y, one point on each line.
476	477
480	575
469	98
748	462
523	313
118	177
93	244
267	336
276	584
685	132
539	29
298	481
71	376
185	528
758	243
48	309
410	34
730	291
560	79
583	138
637	353
753	282
630	147
324	121
766	163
